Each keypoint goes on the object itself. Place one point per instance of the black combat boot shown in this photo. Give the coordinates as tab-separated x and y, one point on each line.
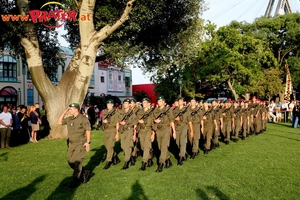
180	161
168	163
160	167
85	176
125	165
107	165
193	155
150	163
143	168
132	160
74	184
206	151
116	160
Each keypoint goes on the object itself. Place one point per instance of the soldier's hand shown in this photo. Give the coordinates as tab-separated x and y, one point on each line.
141	121
152	137
202	129
192	134
87	146
104	121
177	119
122	123
157	121
117	136
174	135
216	129
134	137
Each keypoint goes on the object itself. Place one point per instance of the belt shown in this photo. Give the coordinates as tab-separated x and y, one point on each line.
111	127
76	140
164	126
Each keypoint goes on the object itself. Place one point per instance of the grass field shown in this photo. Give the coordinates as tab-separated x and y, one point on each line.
266	166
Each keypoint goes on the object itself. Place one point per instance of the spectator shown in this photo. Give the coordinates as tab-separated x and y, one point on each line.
16	126
5	124
91	115
24	132
296	115
271	110
291	108
278	111
35	123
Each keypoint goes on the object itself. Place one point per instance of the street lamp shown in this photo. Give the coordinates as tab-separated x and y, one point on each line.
180	84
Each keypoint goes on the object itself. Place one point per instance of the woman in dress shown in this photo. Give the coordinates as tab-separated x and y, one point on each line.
35	123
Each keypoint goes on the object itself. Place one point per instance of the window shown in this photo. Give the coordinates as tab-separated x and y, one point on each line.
92	82
29	96
110	76
119	77
127	81
102	79
8	69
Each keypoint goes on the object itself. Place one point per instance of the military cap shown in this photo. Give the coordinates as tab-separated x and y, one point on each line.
74	105
133	100
160	97
109	101
126	100
146	99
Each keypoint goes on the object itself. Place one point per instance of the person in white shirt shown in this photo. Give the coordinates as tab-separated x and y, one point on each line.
5	130
271	110
291	107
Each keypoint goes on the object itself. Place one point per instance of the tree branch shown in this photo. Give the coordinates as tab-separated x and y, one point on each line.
108	30
86	27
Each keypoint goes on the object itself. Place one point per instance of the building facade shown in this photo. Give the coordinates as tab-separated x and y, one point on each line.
16	87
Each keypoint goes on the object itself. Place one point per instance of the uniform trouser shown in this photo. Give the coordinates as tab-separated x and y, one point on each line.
264	122
215	136
135	149
195	142
109	143
207	134
256	124
76	154
237	128
145	141
252	121
245	126
181	140
127	143
226	130
5	136
163	142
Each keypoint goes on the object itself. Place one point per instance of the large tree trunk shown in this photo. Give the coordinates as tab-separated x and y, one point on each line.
230	85
75	81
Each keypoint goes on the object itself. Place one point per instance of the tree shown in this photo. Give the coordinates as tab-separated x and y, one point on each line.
139	95
74	82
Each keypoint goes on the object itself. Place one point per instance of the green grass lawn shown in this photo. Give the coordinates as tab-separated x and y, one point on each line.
266	166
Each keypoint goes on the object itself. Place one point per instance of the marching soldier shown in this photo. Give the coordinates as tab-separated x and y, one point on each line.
110	126
163	119
127	122
208	123
135	151
237	114
79	140
196	119
256	116
228	121
216	131
146	135
245	119
182	122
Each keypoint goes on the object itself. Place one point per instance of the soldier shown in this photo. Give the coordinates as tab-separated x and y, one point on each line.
163	119
208	122
110	125
127	121
79	140
144	129
216	130
195	112
228	121
135	150
245	119
256	116
182	123
237	114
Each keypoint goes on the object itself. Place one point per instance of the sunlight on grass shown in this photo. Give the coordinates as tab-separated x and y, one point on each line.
261	167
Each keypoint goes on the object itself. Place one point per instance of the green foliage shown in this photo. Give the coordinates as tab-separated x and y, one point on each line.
257	168
139	95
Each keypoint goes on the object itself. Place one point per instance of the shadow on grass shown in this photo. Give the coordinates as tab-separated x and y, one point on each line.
137	192
25	192
284	137
4	156
61	192
289	125
215	193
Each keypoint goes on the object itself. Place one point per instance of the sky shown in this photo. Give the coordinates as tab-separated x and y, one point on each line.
221	13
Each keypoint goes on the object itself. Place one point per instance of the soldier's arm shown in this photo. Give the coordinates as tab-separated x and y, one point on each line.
60	120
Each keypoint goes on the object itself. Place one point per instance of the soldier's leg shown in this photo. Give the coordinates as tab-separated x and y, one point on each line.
237	129
228	131
215	136
109	145
142	135
209	130
182	143
76	154
244	128
196	129
135	151
147	146
128	145
164	155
